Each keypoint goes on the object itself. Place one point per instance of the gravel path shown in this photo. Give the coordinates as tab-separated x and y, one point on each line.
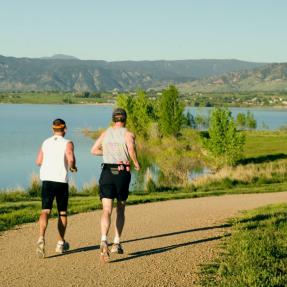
164	244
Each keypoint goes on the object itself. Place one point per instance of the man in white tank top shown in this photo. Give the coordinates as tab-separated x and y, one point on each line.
55	157
117	146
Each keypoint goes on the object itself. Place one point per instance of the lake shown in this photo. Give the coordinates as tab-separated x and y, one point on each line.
23	128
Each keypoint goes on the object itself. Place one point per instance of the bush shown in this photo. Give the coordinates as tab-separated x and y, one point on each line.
12	196
224	142
90	189
34	190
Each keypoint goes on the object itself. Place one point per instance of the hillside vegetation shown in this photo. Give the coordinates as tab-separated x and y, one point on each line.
271	77
68	74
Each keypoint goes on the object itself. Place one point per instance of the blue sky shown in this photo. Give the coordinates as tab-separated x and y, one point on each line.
116	30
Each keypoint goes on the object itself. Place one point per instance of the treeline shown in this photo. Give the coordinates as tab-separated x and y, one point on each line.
244	121
169	142
247	99
235	99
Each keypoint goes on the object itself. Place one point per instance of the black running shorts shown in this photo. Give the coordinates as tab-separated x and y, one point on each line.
52	189
114	184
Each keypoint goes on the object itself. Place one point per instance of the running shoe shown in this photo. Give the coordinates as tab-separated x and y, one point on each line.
105	254
62	247
117	248
40	250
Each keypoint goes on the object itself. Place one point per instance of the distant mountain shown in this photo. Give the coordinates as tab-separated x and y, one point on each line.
61	57
78	75
270	77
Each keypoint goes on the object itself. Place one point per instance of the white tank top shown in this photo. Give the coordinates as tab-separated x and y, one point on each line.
54	166
114	145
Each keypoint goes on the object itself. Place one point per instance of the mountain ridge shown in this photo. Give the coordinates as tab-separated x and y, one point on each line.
268	78
72	74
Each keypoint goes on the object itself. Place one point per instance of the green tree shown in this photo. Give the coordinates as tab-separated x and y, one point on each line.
170	112
250	121
142	113
139	111
241	121
224	142
201	121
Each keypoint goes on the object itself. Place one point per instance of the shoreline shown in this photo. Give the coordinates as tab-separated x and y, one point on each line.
112	104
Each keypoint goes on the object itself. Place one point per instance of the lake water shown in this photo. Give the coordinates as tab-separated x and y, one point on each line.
24	127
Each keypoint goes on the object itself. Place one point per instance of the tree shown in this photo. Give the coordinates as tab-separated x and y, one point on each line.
201	121
250	121
170	112
224	141
139	112
189	120
241	121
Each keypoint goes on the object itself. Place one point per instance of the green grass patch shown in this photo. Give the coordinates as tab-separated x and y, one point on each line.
27	209
54	97
255	254
264	143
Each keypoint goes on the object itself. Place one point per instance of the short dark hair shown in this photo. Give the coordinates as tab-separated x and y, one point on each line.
119	115
59	125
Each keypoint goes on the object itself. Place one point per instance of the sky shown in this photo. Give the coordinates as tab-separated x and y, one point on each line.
117	30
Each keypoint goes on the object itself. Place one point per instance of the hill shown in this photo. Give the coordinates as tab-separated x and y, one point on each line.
268	78
69	74
61	56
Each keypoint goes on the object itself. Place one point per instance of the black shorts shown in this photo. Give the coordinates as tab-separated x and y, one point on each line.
114	184
52	189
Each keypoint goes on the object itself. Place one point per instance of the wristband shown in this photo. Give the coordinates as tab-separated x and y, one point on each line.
73	169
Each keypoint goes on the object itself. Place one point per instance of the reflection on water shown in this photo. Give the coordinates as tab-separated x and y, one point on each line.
24	127
266	118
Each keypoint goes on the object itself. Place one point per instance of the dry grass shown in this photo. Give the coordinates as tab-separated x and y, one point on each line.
273	172
92	134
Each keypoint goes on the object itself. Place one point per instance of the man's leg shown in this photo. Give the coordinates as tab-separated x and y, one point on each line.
62	224
43	223
120	220
106	217
105	226
119	225
62	197
62	245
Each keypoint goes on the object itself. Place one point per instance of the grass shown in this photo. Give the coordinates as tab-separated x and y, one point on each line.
264	143
269	174
22	208
254	174
51	97
255	254
264	162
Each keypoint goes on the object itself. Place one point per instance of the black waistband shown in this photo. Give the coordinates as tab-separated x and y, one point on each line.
114	164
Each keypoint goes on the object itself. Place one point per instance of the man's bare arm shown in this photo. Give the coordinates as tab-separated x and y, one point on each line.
97	147
40	157
71	156
131	144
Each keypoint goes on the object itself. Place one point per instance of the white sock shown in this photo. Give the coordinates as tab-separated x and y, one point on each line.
61	242
104	238
41	238
116	240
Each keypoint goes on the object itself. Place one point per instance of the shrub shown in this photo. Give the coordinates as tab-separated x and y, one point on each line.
34	190
224	142
90	189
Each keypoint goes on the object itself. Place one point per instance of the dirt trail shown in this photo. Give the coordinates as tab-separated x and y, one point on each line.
164	244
